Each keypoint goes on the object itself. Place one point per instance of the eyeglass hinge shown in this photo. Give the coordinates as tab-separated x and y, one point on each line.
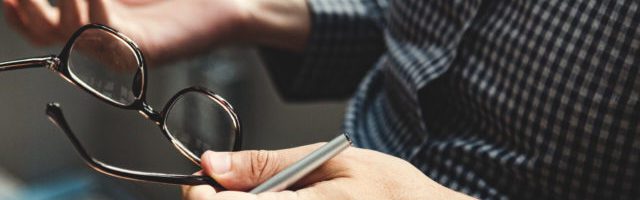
53	63
149	113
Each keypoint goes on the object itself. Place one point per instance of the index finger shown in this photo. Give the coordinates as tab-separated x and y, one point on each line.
197	191
41	19
323	190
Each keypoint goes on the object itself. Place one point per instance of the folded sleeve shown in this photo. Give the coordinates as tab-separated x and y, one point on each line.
346	39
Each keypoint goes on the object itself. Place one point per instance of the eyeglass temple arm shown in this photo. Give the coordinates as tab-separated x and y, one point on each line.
54	112
47	61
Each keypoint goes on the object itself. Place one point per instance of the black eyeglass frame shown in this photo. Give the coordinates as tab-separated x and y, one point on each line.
59	64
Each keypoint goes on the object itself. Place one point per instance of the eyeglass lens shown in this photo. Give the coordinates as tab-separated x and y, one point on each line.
200	124
105	64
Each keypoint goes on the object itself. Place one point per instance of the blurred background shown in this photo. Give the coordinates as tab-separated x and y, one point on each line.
38	162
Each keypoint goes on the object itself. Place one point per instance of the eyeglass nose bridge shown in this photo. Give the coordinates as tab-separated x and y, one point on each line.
147	112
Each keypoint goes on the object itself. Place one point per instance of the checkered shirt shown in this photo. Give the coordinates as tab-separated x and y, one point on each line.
524	99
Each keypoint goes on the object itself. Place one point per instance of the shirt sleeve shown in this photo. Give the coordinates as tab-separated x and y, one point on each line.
346	39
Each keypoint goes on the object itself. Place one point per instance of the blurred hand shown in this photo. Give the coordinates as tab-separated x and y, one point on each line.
353	174
164	29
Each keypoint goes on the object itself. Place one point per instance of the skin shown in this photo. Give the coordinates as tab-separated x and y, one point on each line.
353	174
167	30
163	27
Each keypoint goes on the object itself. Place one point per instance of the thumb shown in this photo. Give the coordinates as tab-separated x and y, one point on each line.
245	170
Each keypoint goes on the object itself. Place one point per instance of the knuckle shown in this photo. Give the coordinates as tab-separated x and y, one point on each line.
263	163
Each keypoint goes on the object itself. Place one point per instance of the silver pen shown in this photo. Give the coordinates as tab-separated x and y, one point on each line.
304	166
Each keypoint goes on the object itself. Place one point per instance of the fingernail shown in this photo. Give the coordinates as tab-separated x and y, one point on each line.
220	162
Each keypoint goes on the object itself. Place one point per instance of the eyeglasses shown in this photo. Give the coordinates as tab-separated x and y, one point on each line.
108	65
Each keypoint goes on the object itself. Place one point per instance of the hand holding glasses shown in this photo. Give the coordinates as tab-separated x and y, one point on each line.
108	65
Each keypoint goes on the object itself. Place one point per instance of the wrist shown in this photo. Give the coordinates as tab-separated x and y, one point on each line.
173	30
278	23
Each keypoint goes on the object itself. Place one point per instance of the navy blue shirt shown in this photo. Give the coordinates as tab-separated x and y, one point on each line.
497	99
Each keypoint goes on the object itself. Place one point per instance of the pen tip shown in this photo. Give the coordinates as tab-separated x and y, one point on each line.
346	135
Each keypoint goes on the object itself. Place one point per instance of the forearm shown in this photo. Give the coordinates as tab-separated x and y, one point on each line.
284	24
187	28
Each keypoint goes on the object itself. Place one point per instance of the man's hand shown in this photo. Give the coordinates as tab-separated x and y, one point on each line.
353	174
163	29
167	29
